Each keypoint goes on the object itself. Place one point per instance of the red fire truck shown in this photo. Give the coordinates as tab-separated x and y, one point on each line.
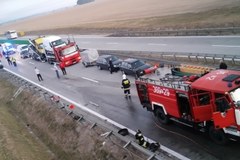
210	103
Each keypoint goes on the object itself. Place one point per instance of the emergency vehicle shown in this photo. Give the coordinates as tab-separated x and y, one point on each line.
210	103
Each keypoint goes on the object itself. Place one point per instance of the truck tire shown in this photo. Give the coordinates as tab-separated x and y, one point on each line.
161	116
99	67
218	136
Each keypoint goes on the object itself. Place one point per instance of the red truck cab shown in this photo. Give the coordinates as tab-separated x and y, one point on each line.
69	54
210	103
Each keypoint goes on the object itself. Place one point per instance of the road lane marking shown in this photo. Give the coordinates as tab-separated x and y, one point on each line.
85	42
92	80
112	43
156	44
32	63
232	46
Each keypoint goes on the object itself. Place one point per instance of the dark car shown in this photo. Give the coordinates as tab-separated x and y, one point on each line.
24	54
134	67
103	62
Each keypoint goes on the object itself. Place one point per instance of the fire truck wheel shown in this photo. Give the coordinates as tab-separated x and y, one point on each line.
99	67
161	116
217	135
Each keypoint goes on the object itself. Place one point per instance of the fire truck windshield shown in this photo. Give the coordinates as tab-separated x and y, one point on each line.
235	94
69	50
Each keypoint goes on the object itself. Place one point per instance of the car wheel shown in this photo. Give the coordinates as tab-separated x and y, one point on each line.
99	67
85	65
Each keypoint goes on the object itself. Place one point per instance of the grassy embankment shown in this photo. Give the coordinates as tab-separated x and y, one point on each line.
32	128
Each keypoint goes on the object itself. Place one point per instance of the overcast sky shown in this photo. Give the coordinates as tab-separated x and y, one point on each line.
16	9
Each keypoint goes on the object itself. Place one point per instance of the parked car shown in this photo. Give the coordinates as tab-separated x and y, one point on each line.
103	62
134	67
24	54
24	48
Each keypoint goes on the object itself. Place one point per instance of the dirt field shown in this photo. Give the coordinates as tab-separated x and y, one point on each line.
106	11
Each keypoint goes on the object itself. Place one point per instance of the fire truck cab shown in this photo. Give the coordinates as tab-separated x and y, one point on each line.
210	103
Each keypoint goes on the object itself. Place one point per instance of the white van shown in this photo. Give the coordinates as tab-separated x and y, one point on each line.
11	34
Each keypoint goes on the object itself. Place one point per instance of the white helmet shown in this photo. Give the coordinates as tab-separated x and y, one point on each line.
124	76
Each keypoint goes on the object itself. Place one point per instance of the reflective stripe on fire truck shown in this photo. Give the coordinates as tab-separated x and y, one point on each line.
160	105
237	115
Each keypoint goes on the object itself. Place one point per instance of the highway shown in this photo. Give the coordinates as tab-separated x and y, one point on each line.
227	45
89	86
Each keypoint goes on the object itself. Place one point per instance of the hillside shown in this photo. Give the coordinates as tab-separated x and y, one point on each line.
102	14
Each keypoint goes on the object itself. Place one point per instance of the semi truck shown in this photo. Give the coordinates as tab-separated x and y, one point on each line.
54	49
210	103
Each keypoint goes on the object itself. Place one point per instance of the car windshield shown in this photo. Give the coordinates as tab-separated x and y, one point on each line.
24	47
114	58
58	42
69	50
137	64
24	52
235	94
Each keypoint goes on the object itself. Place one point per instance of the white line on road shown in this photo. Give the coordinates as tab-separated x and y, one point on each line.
112	43
89	79
226	46
32	63
156	44
85	42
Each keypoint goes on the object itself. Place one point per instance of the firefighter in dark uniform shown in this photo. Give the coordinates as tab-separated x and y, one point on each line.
126	86
141	141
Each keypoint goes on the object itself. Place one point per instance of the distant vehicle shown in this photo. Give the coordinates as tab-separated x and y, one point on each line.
103	62
134	67
89	57
25	54
11	34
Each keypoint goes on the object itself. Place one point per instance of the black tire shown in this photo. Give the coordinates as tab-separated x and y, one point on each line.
161	116
217	136
99	67
85	64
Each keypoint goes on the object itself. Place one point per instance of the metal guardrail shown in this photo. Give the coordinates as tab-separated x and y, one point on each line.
93	117
180	32
12	41
178	58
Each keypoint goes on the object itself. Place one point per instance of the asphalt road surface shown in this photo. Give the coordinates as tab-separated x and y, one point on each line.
89	86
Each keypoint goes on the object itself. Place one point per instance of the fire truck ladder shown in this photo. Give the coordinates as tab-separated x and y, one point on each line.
168	81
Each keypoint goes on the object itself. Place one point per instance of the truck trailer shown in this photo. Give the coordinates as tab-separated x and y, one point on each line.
210	103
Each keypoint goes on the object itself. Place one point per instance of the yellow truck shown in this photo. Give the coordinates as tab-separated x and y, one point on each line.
37	50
